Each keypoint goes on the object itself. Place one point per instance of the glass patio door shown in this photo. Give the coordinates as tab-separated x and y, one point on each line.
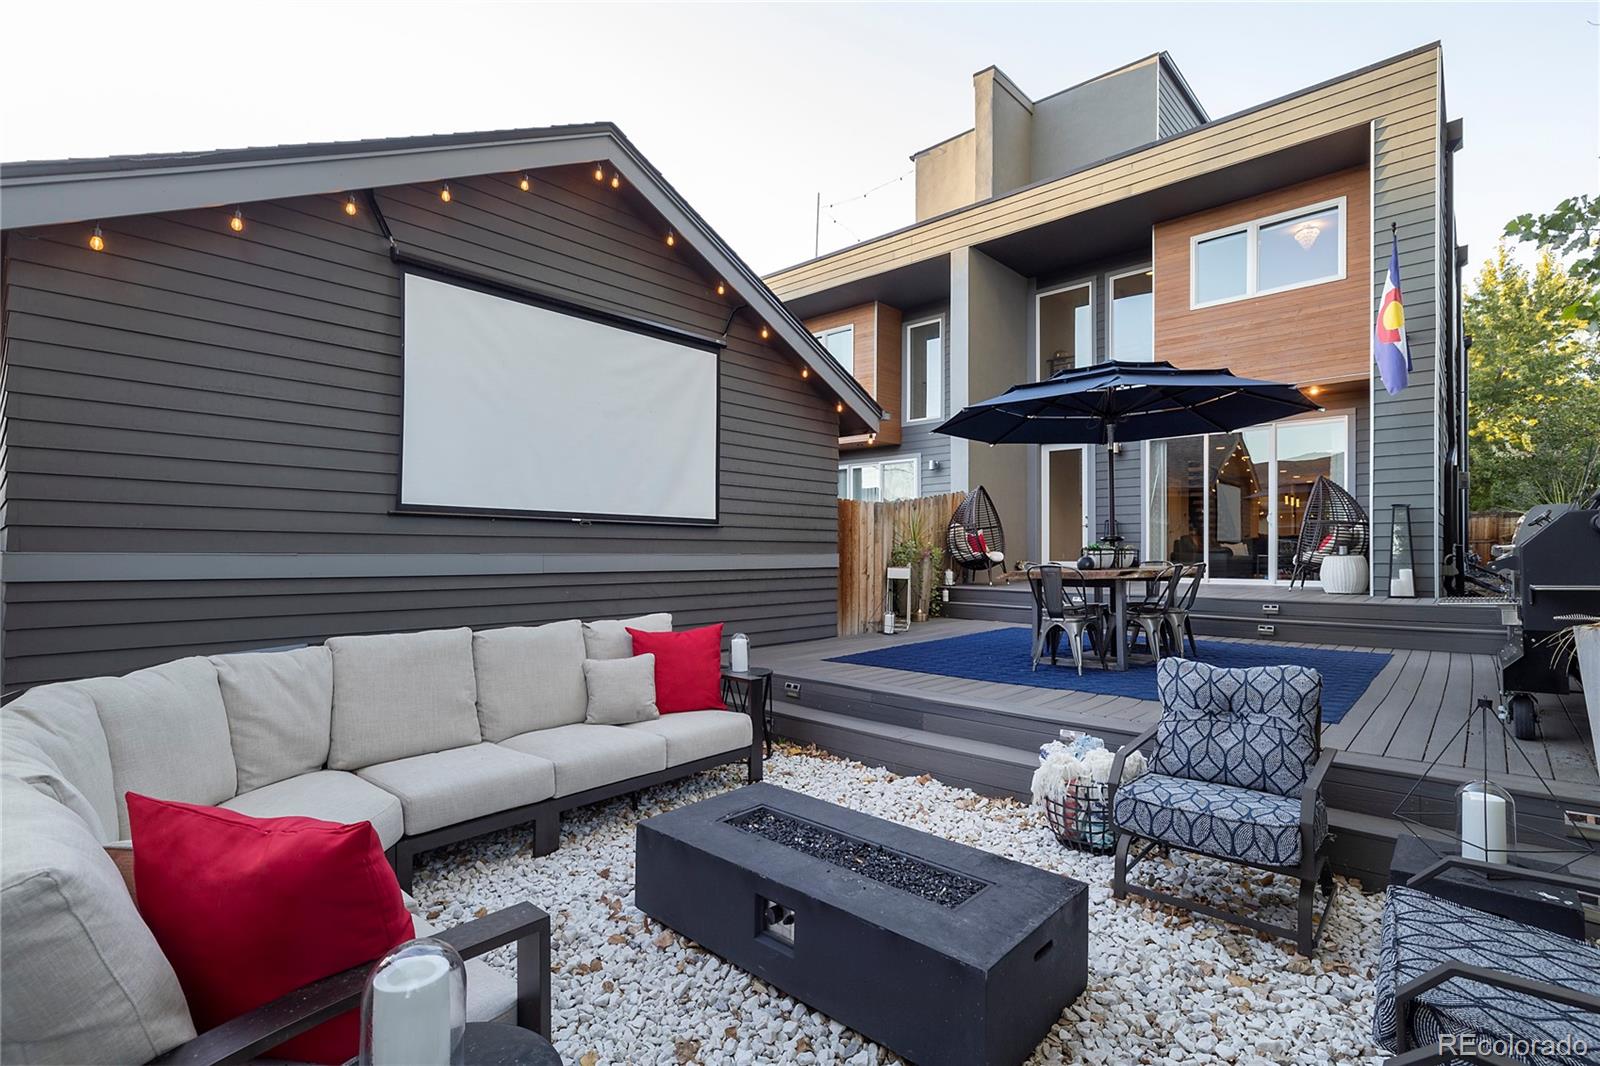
1236	500
1066	475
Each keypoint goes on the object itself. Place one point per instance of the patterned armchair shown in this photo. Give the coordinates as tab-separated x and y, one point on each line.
1236	774
1445	968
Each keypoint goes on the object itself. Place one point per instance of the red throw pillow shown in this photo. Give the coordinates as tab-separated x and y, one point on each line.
248	909
979	546
688	667
1327	543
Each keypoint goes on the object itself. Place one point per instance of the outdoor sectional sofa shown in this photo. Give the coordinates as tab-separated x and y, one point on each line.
432	737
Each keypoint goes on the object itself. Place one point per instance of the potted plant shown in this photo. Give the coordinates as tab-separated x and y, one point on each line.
915	546
1101	556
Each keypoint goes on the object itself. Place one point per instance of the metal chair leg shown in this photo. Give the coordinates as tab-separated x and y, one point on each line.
1119	870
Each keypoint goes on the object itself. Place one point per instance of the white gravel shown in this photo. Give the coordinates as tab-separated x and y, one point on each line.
1163	988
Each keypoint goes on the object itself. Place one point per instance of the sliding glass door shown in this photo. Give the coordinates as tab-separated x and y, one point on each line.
1235	501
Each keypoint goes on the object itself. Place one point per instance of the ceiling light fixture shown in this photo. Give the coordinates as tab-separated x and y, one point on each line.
1306	233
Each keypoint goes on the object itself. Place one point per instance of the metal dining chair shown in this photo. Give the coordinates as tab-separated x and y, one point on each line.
1149	617
1177	616
1063	607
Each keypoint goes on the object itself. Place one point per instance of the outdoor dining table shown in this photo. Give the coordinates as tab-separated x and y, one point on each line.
1115	579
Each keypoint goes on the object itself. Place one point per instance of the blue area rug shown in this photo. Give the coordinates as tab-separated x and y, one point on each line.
1002	655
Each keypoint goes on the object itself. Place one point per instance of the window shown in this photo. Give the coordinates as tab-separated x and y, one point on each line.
893	479
1066	329
1305	246
1133	308
841	344
924	370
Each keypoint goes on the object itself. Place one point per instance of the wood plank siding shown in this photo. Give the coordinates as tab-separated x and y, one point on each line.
1379	93
875	339
1311	335
195	395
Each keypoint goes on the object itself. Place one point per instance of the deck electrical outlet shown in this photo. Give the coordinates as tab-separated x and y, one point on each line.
1266	630
791	689
1269	608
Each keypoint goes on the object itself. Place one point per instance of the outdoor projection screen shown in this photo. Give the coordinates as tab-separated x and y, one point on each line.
515	407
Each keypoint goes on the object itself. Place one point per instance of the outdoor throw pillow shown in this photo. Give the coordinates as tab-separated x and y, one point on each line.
248	909
621	690
688	667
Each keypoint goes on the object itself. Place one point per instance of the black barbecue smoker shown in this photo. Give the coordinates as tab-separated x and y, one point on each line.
1554	568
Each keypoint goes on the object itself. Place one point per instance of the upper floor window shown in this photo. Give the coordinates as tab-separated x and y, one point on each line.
924	370
1133	316
1305	246
1066	329
841	344
896	479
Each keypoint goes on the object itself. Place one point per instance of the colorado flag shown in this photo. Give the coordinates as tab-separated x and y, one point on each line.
1389	331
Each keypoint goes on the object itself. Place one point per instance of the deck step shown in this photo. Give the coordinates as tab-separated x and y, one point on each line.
1292	616
1361	850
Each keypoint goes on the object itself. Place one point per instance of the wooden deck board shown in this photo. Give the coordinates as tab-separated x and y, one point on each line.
1410	715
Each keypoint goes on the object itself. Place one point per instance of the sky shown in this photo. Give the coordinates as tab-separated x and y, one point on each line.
753	110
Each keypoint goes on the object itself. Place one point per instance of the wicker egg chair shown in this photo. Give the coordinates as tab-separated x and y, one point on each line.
1333	520
974	540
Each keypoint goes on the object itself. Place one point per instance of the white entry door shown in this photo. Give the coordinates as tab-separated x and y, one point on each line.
1066	495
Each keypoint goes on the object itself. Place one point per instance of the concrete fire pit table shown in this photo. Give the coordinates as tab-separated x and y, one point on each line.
940	952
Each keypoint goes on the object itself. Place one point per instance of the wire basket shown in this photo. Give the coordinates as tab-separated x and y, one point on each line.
1081	817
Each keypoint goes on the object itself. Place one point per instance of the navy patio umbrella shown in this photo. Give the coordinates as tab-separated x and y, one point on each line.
1125	401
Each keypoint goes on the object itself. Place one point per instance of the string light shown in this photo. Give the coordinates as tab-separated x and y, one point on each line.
1315	390
722	289
672	239
599	172
616	181
350	205
524	183
97	242
805	372
236	223
838	408
765	332
444	192
872	438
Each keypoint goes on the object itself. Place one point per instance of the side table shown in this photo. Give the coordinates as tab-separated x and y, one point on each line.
499	1044
1344	575
1529	901
750	691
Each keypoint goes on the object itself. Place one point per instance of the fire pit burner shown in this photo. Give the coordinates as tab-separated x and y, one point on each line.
884	865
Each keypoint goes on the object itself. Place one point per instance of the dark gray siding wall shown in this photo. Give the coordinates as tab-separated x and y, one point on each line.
919	439
1174	112
1405	434
190	396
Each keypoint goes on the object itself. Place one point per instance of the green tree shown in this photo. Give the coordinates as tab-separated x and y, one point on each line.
1534	378
1572	229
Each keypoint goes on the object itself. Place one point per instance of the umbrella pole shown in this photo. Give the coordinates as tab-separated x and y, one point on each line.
1111	484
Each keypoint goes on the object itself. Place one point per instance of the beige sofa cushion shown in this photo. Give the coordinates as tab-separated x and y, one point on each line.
84	979
609	639
446	787
692	735
332	795
529	677
280	712
401	694
58	727
621	690
167	731
588	756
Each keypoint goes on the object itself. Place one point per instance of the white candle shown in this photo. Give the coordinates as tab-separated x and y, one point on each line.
411	1012
888	622
1483	826
739	653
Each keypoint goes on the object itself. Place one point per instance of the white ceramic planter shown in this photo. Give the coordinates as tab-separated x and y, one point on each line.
1587	639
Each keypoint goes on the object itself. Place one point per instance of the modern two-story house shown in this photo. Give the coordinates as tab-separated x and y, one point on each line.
1117	220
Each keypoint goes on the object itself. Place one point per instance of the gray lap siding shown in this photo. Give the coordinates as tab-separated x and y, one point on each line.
193	391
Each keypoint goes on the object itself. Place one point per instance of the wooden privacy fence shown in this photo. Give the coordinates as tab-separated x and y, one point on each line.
1486	528
867	535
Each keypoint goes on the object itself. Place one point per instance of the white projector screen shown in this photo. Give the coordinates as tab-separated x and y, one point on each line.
513	407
